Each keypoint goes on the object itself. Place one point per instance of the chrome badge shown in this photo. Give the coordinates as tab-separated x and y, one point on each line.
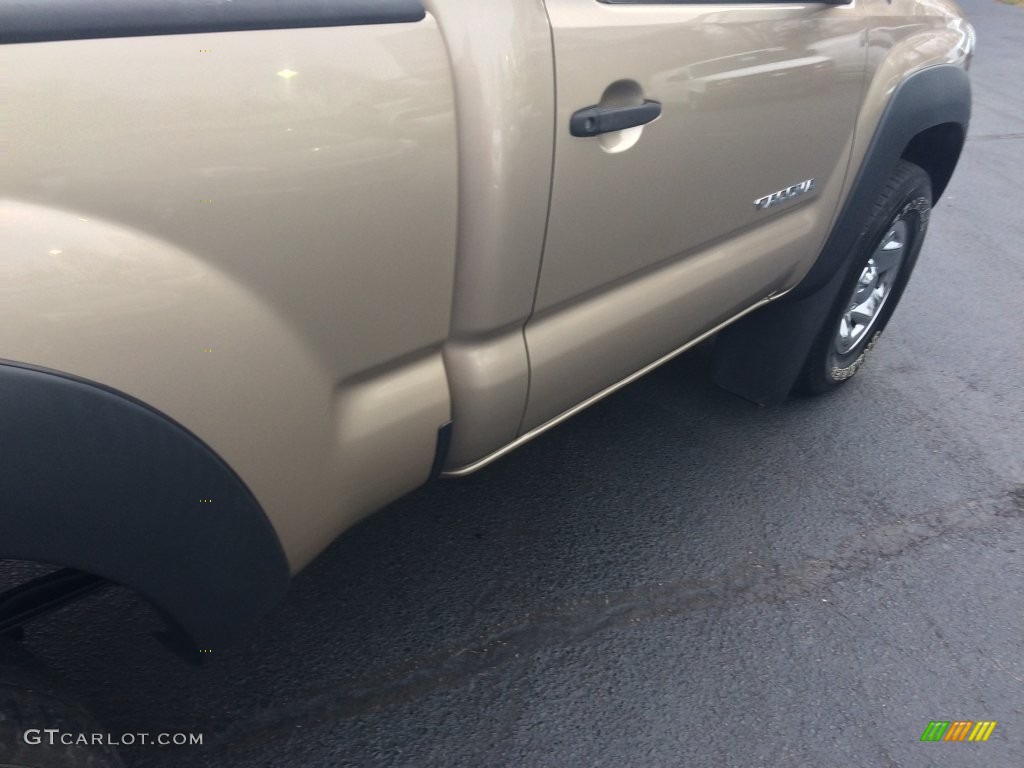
784	194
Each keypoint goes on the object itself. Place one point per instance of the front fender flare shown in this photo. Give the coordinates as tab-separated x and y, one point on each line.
934	96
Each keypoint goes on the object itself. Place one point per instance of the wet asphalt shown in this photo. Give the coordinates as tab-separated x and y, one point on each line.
675	577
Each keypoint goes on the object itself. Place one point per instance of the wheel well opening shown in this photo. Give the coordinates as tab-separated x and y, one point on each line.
937	150
30	589
33	589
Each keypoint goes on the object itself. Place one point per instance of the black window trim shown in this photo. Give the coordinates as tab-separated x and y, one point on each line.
36	21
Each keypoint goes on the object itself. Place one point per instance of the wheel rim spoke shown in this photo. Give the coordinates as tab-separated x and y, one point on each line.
862	313
873	288
889	254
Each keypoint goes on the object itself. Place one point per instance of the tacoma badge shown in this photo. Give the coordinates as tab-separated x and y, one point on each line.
784	194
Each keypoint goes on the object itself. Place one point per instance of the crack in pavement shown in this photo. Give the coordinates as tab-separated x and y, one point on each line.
572	622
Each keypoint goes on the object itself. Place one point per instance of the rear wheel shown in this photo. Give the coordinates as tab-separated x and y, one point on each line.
884	257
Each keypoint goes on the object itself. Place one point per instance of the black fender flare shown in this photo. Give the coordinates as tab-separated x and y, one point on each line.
92	479
760	356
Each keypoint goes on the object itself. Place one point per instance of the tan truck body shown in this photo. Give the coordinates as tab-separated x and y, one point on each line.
315	247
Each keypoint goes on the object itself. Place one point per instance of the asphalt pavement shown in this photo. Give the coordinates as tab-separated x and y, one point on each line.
675	577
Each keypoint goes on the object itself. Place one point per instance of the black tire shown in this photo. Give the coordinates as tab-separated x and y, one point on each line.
838	352
30	701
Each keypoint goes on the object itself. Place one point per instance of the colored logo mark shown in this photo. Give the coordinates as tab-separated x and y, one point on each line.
958	730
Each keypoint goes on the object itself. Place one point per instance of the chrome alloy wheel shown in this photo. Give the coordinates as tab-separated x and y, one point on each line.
872	289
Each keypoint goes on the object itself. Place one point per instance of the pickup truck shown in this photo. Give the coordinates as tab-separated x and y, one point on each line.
267	266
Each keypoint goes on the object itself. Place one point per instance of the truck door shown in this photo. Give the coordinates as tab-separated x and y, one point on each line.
654	236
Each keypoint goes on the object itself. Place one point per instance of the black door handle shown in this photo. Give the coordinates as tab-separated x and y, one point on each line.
594	120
